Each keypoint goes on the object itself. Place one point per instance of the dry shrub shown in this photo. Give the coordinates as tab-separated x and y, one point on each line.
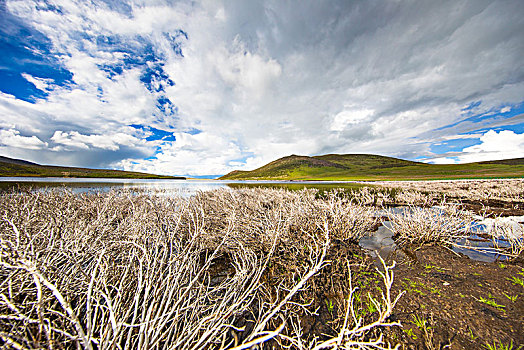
367	196
451	225
415	198
415	225
136	271
381	197
507	236
507	190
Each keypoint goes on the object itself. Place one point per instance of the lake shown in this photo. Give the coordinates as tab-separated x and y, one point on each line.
180	187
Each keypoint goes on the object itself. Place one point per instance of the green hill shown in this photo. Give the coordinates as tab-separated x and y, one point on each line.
374	167
17	167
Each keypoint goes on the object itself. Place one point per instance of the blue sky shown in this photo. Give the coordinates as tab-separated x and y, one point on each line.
202	88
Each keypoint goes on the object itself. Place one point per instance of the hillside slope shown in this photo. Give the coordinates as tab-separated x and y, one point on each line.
17	167
374	167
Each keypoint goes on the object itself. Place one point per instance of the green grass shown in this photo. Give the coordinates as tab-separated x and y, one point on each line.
516	280
513	298
501	346
349	167
489	301
20	168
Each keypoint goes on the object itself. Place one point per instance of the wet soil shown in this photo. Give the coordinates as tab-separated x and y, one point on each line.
450	301
495	207
465	304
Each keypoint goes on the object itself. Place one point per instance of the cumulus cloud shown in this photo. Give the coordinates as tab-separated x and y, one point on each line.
349	117
495	145
186	154
12	138
240	83
110	142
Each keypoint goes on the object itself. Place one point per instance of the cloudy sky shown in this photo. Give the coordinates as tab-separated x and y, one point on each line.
201	88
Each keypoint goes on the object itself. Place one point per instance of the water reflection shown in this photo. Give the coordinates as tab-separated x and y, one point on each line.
480	245
166	186
379	241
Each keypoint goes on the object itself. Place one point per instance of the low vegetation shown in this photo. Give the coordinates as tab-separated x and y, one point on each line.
224	269
481	191
243	269
445	224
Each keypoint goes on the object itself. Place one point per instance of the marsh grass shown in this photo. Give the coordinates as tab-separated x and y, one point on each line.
225	269
134	271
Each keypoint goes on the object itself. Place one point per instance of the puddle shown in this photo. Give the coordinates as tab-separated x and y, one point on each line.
476	246
380	241
481	249
510	226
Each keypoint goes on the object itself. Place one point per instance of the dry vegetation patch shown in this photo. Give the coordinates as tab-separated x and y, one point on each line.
246	269
222	269
504	196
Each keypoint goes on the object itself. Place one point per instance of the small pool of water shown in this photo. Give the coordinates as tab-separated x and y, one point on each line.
476	246
381	241
481	249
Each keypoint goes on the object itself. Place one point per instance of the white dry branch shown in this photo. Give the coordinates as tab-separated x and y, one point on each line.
507	190
354	332
416	225
122	270
505	235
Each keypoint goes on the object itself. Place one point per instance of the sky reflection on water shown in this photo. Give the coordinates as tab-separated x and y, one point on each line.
175	187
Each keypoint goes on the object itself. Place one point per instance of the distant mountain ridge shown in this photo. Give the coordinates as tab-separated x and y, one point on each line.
373	167
23	168
15	161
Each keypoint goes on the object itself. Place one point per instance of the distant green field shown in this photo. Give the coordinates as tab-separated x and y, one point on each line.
21	168
367	167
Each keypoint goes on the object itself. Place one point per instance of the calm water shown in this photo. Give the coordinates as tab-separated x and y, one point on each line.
181	187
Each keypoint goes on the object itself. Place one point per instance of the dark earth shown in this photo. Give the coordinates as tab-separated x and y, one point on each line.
450	300
467	304
494	207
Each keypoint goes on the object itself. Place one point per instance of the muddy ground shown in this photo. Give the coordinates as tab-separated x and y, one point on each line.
450	301
464	304
494	207
455	302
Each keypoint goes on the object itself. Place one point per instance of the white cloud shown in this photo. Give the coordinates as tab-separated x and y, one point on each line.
350	117
461	137
12	138
40	83
185	156
442	160
110	142
248	73
495	145
264	79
